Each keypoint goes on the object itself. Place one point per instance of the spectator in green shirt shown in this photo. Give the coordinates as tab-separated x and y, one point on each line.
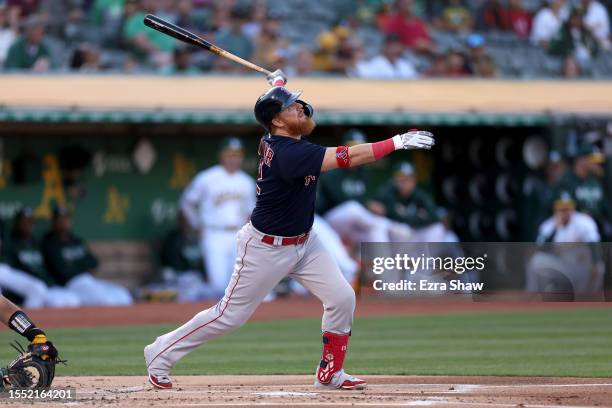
148	45
70	263
30	51
232	39
403	201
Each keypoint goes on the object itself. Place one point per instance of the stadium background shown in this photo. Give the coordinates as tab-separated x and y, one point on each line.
116	135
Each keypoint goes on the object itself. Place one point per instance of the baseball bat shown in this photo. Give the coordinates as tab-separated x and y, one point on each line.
188	37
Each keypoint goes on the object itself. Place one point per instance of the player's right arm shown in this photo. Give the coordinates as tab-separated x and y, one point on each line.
344	157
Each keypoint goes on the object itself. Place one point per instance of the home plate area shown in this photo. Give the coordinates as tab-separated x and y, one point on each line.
297	391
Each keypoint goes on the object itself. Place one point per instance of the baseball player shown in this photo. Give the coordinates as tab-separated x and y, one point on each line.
40	348
404	202
344	197
573	266
278	241
217	203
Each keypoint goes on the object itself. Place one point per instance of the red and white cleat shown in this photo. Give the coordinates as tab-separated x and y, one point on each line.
160	381
343	381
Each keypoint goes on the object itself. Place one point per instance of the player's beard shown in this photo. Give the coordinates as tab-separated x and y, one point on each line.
302	127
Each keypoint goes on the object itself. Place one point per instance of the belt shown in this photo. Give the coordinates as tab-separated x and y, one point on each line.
275	240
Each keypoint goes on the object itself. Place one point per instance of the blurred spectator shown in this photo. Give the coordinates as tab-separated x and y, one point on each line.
301	64
70	263
30	51
404	202
575	40
348	51
181	63
547	23
23	8
86	59
107	17
597	19
183	266
268	41
520	18
8	33
187	17
492	16
485	67
146	44
570	68
456	65
455	17
480	64
324	58
259	14
438	67
29	277
64	18
513	17
411	29
232	39
389	64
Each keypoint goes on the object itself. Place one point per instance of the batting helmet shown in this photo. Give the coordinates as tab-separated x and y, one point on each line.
276	100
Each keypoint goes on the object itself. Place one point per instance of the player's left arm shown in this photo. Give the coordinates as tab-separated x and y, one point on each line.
344	157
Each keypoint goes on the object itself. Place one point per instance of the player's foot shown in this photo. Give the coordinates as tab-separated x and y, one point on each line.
343	381
160	381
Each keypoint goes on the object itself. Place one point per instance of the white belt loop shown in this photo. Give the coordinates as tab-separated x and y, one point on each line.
278	241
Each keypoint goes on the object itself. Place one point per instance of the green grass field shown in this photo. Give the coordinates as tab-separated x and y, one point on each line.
551	343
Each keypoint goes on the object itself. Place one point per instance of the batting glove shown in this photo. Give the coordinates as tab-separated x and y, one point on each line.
277	78
414	139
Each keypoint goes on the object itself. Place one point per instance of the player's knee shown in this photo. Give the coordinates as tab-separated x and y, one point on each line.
344	301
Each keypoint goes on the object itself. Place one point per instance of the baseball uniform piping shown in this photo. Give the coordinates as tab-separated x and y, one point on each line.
216	318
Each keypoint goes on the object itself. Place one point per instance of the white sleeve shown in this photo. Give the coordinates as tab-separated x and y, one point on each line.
537	29
191	200
546	228
589	232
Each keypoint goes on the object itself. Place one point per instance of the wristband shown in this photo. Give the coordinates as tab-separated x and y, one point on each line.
383	148
342	157
21	323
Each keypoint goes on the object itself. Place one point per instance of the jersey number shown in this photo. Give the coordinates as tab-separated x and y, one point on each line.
266	158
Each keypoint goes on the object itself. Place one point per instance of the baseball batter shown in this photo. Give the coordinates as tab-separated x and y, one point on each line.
278	240
217	203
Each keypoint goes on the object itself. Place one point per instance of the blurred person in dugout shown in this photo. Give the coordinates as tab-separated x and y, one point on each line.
569	260
217	203
584	182
182	263
341	200
70	263
412	209
23	271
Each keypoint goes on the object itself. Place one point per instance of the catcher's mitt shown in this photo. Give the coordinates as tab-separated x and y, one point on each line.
33	368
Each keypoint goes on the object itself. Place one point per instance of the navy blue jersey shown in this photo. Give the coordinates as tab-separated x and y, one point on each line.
286	185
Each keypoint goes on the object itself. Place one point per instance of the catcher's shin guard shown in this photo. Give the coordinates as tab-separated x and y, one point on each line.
334	351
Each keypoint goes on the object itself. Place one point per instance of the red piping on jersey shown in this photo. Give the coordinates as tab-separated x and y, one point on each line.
216	318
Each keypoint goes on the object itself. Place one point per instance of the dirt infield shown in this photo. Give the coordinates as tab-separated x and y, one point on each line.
297	391
292	308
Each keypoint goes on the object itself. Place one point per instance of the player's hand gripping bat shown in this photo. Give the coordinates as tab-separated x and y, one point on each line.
275	78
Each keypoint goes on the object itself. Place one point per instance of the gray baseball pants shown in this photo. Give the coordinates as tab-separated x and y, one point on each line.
259	267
